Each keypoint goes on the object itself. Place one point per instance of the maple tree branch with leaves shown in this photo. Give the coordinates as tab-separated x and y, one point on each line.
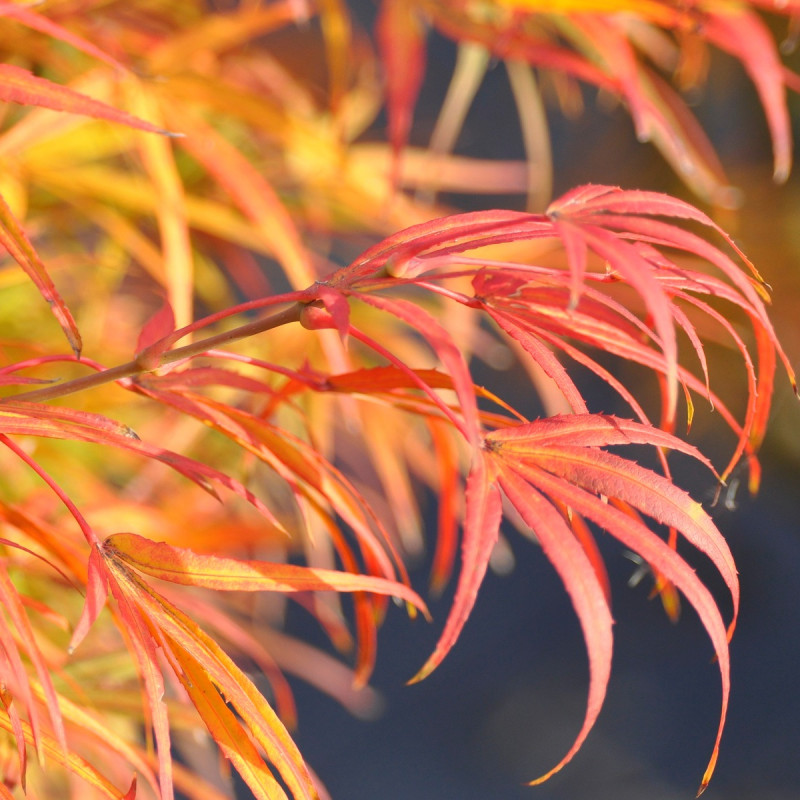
166	168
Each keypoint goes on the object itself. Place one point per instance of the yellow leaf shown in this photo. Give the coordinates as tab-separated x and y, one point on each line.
183	566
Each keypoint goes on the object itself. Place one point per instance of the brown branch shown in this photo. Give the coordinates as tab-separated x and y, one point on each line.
139	367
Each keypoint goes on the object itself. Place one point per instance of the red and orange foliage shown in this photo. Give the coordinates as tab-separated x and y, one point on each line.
211	392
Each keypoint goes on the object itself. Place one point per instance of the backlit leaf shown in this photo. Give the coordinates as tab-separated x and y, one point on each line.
640	539
579	577
179	565
481	525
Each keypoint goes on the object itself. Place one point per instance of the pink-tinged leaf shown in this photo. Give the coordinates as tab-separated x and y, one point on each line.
576	251
415	376
96	595
481	525
636	271
401	38
543	356
655	551
647	491
69	421
748	297
155	330
588	430
17	678
37	22
744	34
15	609
446	350
397	254
194	377
14	239
179	565
448	491
579	577
55	487
18	85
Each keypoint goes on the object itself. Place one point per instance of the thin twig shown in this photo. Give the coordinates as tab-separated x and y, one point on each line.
138	367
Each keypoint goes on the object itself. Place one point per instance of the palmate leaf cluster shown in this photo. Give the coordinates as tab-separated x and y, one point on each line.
204	380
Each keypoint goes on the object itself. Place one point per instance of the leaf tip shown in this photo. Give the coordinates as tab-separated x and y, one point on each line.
429	666
781	173
709	771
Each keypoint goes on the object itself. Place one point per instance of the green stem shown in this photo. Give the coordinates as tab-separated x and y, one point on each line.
137	367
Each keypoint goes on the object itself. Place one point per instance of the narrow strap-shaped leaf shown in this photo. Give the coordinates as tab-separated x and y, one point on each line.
744	34
180	565
144	650
225	729
18	85
636	271
14	239
481	526
589	430
578	575
96	595
31	19
401	39
13	606
542	356
70	760
647	491
12	665
238	689
655	551
445	349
